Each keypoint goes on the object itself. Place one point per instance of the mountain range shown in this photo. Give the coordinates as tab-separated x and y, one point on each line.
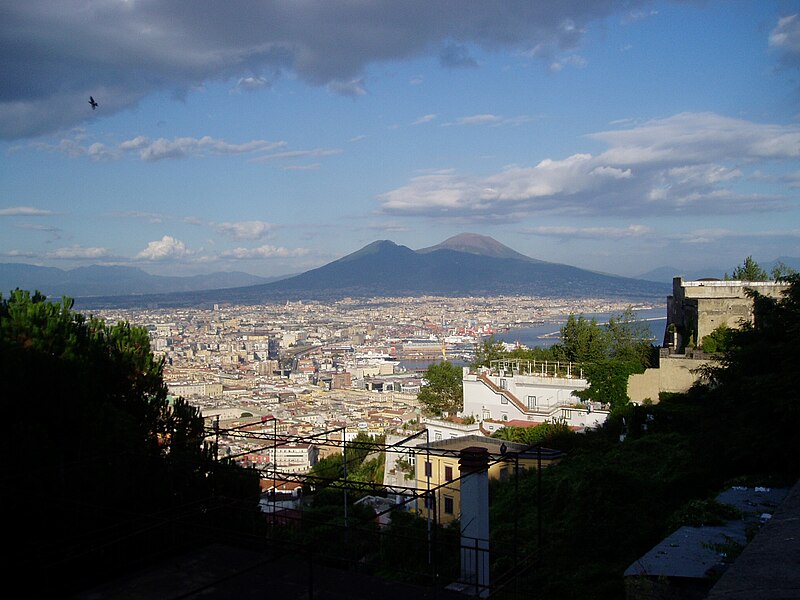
467	264
464	265
100	280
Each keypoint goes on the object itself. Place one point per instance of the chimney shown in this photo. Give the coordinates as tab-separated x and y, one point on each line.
474	464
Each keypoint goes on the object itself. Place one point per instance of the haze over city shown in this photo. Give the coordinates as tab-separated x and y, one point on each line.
274	137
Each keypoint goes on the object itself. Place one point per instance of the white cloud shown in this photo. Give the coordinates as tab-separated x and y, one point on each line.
249	84
20	254
664	166
786	35
591	232
245	230
24	211
699	138
718	235
188	146
158	149
478	119
265	251
136	143
425	119
165	248
78	252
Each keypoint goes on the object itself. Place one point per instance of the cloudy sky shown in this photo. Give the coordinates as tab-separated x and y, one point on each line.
273	136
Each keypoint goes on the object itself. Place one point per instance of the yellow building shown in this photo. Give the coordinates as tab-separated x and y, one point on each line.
437	469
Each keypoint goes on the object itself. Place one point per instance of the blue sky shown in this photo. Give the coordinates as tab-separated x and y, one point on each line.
273	137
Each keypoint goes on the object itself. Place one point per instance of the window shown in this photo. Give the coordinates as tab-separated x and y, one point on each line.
437	435
448	473
503	384
428	469
448	505
531	401
505	416
504	474
503	400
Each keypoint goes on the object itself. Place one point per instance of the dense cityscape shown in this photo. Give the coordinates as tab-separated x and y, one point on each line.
428	300
317	366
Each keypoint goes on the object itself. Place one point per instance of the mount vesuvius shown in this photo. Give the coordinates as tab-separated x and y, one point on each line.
464	265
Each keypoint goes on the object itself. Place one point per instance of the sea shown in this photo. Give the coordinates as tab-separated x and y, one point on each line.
549	333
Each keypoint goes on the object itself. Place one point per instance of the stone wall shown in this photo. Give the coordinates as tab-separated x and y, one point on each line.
676	373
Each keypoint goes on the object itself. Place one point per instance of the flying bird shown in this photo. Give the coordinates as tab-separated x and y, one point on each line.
92	102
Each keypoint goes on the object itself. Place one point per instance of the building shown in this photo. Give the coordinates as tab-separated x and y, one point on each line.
534	391
437	469
293	458
447	429
195	389
694	310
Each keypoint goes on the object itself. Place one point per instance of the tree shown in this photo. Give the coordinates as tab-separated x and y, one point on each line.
100	454
781	271
582	340
488	350
749	270
443	390
608	381
717	341
629	339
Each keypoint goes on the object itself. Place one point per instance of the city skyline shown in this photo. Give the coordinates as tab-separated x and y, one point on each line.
273	138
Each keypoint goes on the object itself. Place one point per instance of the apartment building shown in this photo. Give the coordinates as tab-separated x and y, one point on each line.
530	391
437	469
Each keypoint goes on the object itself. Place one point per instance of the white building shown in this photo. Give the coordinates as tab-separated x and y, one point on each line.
531	391
293	458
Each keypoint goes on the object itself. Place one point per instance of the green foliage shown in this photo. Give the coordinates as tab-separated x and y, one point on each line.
749	270
782	271
329	471
555	434
582	340
608	381
718	340
443	391
488	350
99	451
608	502
607	353
629	339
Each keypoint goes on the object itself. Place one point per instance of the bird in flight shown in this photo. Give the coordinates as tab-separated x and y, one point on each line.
92	102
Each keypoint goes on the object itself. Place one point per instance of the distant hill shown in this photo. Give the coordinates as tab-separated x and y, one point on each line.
112	281
467	265
665	274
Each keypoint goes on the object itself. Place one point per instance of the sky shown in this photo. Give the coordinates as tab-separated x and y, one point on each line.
274	136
